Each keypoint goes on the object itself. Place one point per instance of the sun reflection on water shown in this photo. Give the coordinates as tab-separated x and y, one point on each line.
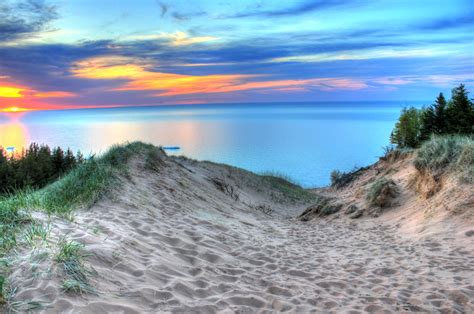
13	134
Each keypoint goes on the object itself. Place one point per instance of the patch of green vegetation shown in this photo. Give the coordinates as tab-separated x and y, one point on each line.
447	153
381	193
34	167
36	232
153	158
287	187
341	179
2	289
9	305
80	187
71	258
455	116
394	153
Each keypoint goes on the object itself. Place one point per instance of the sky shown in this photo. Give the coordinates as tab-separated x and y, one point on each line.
87	53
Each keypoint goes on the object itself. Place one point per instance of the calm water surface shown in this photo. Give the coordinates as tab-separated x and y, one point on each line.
304	141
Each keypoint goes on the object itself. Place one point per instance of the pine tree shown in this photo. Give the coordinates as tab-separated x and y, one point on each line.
460	112
79	157
58	160
440	124
69	160
428	121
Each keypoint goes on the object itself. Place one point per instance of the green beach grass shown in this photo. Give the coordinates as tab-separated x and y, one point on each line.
80	188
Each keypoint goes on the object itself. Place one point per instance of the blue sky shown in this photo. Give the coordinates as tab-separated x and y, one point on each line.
81	53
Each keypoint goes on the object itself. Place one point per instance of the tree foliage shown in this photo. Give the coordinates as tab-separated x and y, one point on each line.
415	126
34	167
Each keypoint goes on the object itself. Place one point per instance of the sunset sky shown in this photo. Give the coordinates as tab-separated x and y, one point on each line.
90	53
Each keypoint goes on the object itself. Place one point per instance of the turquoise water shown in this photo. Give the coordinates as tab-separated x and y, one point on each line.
305	141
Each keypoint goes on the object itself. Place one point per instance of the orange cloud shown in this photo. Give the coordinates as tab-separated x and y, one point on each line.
16	98
322	83
139	77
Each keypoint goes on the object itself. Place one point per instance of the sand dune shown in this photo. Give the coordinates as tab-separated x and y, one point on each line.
172	241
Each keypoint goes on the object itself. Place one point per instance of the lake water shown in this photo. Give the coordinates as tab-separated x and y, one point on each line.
305	141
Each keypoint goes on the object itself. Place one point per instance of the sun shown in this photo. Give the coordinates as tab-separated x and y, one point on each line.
14	109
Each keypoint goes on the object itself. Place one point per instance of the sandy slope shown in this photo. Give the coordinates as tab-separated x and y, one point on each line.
171	241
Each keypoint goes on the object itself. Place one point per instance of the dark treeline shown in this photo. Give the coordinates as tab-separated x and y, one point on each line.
34	167
455	116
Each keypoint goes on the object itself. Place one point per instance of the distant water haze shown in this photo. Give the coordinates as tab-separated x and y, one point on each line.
304	141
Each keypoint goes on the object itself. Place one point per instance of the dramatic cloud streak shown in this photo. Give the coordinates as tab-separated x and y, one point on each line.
139	78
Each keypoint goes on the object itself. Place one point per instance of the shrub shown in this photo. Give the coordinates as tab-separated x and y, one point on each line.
381	193
407	129
392	154
340	179
336	177
446	153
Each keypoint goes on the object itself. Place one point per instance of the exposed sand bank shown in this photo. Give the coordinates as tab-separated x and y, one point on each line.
175	240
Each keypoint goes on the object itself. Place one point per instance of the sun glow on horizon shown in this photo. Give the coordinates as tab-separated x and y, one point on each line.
15	109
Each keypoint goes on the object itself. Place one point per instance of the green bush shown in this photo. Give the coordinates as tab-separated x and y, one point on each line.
381	193
288	187
340	179
446	153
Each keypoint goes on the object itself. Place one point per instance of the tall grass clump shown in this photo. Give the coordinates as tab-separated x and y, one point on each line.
71	258
381	193
11	218
450	153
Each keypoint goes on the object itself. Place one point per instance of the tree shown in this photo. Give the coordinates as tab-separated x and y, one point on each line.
460	112
79	157
69	160
428	121
58	160
440	124
407	129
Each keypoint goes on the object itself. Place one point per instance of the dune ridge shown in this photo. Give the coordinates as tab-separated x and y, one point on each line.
188	236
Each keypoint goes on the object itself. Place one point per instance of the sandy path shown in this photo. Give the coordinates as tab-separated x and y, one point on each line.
209	262
177	252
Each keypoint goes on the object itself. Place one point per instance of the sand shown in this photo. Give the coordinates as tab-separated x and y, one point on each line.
170	241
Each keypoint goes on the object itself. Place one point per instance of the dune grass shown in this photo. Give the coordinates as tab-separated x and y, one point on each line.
80	188
2	288
451	153
71	259
287	186
381	192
